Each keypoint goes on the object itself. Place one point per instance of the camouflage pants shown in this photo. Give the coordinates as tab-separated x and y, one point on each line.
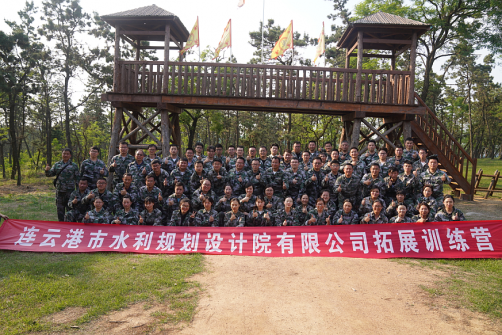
62	204
74	216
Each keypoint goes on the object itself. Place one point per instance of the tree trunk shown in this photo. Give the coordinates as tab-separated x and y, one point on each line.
48	140
2	161
67	109
13	136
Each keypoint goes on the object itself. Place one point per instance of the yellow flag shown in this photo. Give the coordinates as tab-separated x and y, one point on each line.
321	44
226	39
284	43
193	39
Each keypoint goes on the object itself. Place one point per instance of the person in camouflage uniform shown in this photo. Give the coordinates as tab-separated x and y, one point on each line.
259	217
152	154
346	215
376	216
302	210
358	165
162	178
172	203
297	150
383	162
139	169
98	214
208	161
436	178
421	165
231	158
152	191
401	215
200	194
93	168
372	179
219	155
240	154
119	163
409	154
329	204
150	216
223	204
197	177
256	177
367	203
184	216
296	180
77	209
335	157
410	182
347	187
181	175
272	203
313	181
170	163
392	185
247	200
306	163
286	163
189	154
101	192
199	151
276	178
449	212
397	160
126	215
286	216
428	199
234	218
313	153
251	154
424	214
67	177
207	217
329	180
318	216
238	178
218	177
370	155
344	151
123	189
392	209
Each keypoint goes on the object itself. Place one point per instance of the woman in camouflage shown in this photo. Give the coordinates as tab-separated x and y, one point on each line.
346	215
235	218
259	217
401	215
150	216
183	216
302	211
98	214
424	212
318	216
207	217
126	215
286	216
449	212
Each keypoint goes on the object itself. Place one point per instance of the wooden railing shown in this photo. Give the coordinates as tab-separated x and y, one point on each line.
448	145
263	81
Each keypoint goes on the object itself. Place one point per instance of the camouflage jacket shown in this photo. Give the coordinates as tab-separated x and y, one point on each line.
417	166
391	210
366	189
181	177
133	192
291	219
384	167
313	188
197	203
368	205
218	184
144	193
389	192
178	220
442	215
98	217
395	219
408	155
330	206
359	168
330	185
313	155
373	219
434	179
284	166
90	170
195	181
121	168
397	163
130	218
159	180
277	181
238	187
277	203
258	184
320	218
265	163
169	164
260	220
167	209
350	187
305	166
223	206
295	189
106	196
247	207
151	219
410	184
79	206
203	216
300	216
68	178
239	221
415	218
149	160
431	201
138	178
344	156
368	158
351	218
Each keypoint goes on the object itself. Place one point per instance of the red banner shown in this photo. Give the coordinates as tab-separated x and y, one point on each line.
467	239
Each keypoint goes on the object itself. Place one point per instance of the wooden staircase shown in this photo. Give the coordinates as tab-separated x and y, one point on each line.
429	132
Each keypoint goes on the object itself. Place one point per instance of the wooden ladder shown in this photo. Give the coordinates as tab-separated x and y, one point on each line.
428	131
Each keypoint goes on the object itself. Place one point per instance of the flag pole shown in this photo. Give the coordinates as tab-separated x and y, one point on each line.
292	42
198	35
262	27
231	54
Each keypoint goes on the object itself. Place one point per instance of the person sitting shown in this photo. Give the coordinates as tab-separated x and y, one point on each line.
391	211
346	215
127	215
401	216
247	200
150	216
376	216
286	216
318	216
207	217
183	216
259	216
428	199
367	203
449	212
424	212
235	218
98	214
303	209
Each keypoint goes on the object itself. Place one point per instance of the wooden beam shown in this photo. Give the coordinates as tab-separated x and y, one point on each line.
386	140
406	129
116	60
128	40
371	55
399	52
356	129
386	41
353	115
143	128
413	56
114	140
349	51
144	123
167	40
156	47
165	131
143	33
359	65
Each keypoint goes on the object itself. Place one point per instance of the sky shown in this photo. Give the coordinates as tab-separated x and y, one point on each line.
307	15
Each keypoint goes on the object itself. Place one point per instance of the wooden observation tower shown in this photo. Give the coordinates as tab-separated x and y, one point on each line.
355	94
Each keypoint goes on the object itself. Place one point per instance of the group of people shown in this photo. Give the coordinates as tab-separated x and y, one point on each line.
316	186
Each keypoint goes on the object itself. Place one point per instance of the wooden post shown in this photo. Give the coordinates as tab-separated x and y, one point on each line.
114	140
347	59
406	129
176	128
138	50
181	55
116	59
393	61
413	56
359	68
356	129
167	41
165	131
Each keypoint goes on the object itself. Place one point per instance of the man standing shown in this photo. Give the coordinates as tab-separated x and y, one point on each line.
170	163
435	177
297	150
67	175
93	168
276	178
120	162
313	181
139	169
152	154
